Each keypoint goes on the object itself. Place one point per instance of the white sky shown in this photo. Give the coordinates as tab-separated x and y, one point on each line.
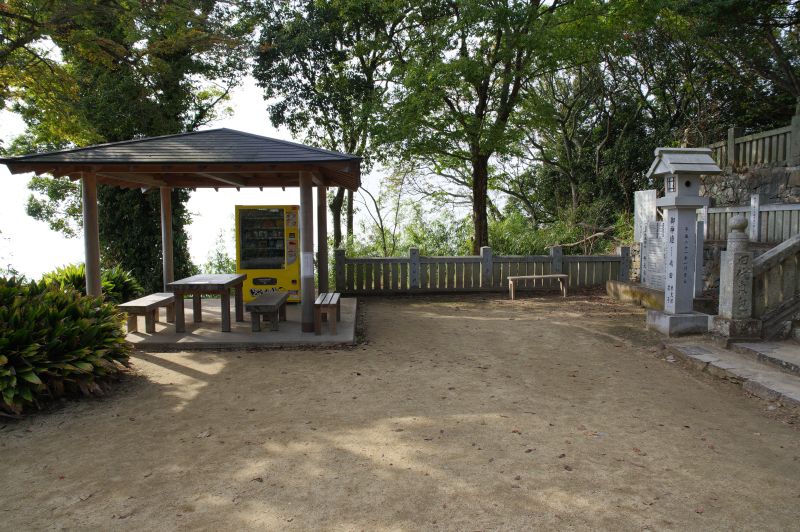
33	249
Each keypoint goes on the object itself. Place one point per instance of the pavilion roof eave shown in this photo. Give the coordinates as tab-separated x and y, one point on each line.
345	173
207	158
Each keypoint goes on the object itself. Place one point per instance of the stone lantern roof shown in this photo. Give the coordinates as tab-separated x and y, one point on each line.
685	161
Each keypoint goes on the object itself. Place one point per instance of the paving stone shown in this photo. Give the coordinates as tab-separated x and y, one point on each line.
760	379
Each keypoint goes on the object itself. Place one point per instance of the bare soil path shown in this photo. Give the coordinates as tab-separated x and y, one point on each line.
464	413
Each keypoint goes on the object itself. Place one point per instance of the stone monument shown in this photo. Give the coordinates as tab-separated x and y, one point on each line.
735	319
680	168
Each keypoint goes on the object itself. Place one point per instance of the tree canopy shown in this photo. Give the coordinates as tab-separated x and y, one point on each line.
124	71
527	121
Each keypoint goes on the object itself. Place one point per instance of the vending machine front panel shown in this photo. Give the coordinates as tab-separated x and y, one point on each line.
267	238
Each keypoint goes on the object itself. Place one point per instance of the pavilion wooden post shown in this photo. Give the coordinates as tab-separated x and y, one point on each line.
307	253
322	238
91	234
166	236
166	245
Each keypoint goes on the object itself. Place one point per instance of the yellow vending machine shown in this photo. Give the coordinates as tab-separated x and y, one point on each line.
267	243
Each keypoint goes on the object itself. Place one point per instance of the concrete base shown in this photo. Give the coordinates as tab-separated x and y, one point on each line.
207	334
677	324
740	329
649	298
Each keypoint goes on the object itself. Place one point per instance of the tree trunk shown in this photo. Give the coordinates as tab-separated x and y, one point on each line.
573	188
349	215
480	188
336	215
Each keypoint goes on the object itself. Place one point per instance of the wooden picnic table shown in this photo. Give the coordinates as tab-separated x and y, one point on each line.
197	285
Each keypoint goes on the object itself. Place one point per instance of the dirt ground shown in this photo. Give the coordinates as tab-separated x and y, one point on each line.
464	413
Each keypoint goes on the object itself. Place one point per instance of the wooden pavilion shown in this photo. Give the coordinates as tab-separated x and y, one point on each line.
203	159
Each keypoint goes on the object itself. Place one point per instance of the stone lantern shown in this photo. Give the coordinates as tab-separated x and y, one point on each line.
680	169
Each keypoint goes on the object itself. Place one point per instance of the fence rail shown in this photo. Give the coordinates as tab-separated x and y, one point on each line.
775	147
769	224
485	272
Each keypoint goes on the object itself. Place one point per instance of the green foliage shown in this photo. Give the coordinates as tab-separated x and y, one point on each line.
55	342
516	235
442	235
325	68
130	234
6	268
56	201
218	260
118	284
122	71
463	75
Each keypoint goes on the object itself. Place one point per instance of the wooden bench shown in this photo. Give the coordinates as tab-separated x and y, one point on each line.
147	306
270	305
563	280
327	303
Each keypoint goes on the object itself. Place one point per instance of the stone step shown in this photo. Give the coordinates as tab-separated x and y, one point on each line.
782	355
759	379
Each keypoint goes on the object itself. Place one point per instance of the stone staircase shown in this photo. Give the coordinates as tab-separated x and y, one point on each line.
769	370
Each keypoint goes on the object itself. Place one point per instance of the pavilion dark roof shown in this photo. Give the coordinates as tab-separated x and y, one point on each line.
210	158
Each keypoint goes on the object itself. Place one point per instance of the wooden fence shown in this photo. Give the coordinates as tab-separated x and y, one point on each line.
768	224
485	272
776	147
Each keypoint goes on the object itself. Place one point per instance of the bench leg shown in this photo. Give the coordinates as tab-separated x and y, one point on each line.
255	321
331	322
317	320
273	320
150	321
563	287
282	312
171	313
511	289
197	309
133	323
339	310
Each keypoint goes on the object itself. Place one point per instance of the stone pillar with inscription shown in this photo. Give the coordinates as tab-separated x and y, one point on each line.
680	169
735	319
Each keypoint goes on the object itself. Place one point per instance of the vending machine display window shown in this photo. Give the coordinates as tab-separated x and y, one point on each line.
262	239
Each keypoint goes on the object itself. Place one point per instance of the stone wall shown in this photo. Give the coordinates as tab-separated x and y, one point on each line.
779	184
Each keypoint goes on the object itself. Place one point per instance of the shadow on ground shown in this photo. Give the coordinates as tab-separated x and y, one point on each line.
456	413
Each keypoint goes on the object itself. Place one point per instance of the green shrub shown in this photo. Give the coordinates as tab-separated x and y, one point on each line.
55	342
119	285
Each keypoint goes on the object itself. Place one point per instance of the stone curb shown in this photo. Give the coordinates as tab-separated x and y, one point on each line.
755	382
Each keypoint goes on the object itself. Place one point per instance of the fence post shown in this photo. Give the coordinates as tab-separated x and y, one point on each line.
625	264
413	255
733	132
704	219
339	267
486	267
755	217
557	257
699	270
794	144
